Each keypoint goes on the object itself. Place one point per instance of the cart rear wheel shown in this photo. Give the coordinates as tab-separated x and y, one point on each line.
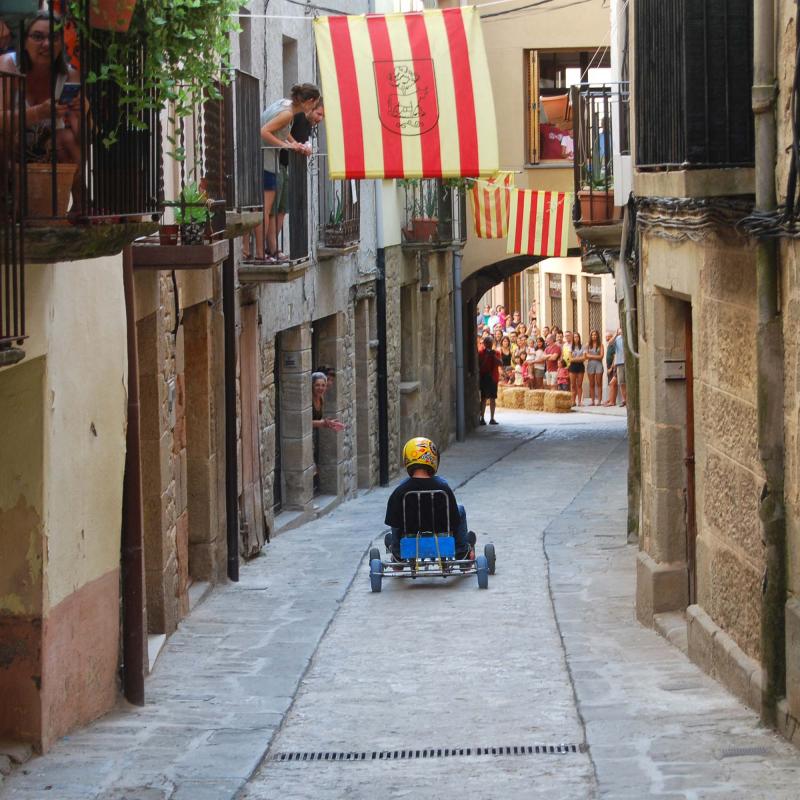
373	554
488	551
375	574
482	567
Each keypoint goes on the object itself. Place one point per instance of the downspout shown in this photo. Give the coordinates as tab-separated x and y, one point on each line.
458	324
770	372
133	638
383	387
231	458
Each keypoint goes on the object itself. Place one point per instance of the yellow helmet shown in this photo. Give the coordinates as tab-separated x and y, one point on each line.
420	452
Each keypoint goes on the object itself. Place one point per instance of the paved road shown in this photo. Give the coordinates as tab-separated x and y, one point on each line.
300	656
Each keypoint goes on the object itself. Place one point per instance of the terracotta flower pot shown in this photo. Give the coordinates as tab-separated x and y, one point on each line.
40	189
168	235
424	229
596	206
111	15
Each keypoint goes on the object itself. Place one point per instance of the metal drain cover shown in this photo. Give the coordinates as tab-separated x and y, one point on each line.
736	752
431	752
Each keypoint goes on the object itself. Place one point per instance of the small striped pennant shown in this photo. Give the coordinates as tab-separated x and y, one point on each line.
539	222
490	201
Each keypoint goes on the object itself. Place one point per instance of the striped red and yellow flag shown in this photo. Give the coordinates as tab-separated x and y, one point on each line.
490	200
407	95
539	222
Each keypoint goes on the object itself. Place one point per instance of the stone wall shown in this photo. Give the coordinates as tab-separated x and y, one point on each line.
711	283
179	372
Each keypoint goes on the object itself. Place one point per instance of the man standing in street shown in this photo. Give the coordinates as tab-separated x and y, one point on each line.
489	362
619	365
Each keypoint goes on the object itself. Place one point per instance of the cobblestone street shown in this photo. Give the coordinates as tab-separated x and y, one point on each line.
300	656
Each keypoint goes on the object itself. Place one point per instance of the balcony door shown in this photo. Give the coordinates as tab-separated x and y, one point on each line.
251	498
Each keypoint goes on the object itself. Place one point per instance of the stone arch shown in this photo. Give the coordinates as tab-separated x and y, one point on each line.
473	288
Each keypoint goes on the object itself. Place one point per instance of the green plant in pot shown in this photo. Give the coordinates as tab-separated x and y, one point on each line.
334	232
192	214
184	60
425	225
597	197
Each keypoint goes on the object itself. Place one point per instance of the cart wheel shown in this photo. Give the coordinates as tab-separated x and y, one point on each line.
375	574
373	554
472	537
482	567
488	551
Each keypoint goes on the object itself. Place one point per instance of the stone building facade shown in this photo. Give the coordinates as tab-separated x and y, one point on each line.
710	416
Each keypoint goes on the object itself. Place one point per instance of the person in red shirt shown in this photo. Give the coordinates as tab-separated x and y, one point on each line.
553	355
489	363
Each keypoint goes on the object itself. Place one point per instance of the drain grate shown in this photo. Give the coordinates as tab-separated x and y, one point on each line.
432	752
736	752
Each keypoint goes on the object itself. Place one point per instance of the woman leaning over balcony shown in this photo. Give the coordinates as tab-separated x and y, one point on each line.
276	123
38	63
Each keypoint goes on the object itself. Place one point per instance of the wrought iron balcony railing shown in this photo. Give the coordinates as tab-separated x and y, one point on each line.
339	209
86	163
435	212
694	73
596	107
286	213
243	143
12	199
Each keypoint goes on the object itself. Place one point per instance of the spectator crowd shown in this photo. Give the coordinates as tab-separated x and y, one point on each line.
516	353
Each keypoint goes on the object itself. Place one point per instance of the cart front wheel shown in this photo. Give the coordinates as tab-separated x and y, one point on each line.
482	568
376	574
488	551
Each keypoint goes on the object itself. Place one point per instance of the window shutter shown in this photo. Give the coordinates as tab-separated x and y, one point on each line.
533	106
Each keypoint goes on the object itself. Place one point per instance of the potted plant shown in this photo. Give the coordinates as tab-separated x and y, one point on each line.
192	214
597	199
183	63
424	221
40	169
111	15
334	231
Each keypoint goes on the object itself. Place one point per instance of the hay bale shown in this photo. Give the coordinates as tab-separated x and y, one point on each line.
557	402
563	402
534	399
501	390
514	397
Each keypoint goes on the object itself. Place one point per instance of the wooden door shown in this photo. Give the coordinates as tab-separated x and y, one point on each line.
691	514
251	499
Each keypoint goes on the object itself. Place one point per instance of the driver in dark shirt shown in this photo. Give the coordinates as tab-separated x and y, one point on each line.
421	460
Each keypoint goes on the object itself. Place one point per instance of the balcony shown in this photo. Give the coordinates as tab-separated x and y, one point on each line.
597	213
694	74
12	264
217	194
94	186
339	213
287	233
244	192
434	214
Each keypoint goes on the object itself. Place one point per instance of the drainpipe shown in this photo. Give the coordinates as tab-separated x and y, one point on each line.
770	373
231	461
133	638
458	323
383	389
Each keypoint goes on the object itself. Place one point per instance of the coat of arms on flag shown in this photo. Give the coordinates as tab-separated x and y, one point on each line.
407	95
538	222
490	201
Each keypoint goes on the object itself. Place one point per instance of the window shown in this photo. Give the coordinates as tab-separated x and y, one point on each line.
694	73
549	76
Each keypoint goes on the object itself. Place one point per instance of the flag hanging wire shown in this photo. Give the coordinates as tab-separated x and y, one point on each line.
313	11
